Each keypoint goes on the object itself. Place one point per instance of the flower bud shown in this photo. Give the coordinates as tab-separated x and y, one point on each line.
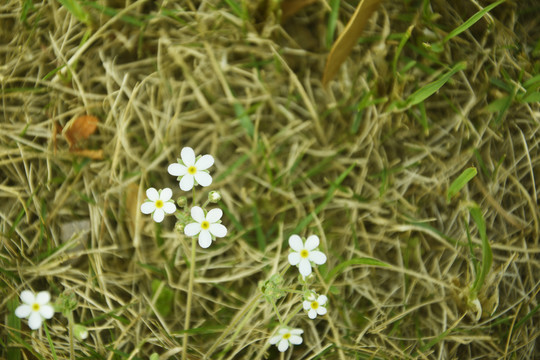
181	201
80	331
179	227
214	196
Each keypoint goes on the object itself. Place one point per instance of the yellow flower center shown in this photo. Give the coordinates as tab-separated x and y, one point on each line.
205	225
286	336
159	204
35	307
314	305
304	253
192	170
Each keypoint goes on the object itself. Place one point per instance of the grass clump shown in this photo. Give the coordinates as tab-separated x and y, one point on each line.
418	265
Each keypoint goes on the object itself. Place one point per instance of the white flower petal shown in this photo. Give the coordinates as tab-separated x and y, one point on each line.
312	314
322	299
34	321
205	239
306	304
294	258
321	310
295	339
23	311
203	178
192	229
296	243
218	230
204	162
148	207
166	194
177	169
283	345
274	339
214	215
305	267
188	156
283	331
152	194
317	257
43	297
169	207
297	331
46	311
159	215
28	297
312	242
197	214
186	183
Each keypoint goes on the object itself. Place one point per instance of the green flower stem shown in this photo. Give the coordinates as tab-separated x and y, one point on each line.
70	325
205	203
189	295
277	313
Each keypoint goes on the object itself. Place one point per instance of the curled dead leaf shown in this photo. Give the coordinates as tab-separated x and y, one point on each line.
80	129
348	38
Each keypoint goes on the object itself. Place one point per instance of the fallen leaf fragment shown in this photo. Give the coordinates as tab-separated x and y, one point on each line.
132	206
91	154
80	129
348	38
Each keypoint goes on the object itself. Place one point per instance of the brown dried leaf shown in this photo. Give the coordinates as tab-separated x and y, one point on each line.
348	38
80	128
91	154
57	129
291	7
132	206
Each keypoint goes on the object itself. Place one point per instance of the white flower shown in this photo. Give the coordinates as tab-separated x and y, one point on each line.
206	226
304	254
314	305
35	308
158	203
286	336
191	170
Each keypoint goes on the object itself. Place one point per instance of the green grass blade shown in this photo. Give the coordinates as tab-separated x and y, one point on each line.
487	255
242	115
75	8
426	91
261	240
332	23
406	36
51	344
471	21
231	168
357	261
462	180
13	322
329	196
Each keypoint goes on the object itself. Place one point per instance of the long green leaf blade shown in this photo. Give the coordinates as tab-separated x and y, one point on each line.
458	184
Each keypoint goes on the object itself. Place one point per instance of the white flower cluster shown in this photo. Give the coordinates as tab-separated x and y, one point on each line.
303	255
190	171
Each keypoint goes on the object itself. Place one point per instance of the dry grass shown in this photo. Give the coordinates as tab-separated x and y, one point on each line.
164	75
